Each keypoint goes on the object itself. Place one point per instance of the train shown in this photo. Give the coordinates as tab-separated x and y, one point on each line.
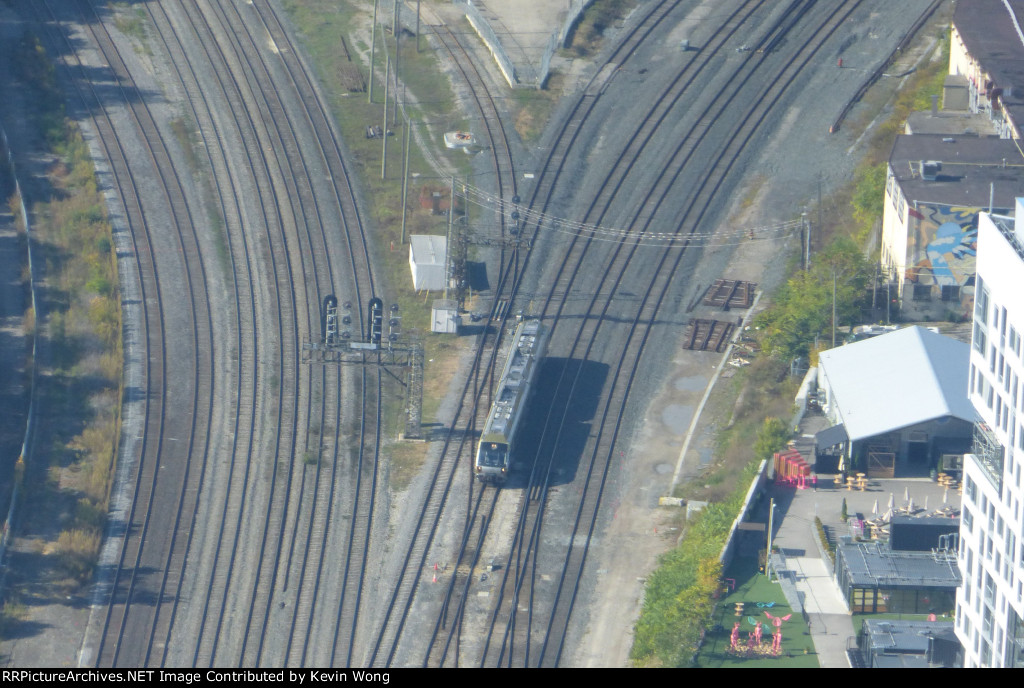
496	449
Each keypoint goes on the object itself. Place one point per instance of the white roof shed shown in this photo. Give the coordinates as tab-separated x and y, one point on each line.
895	380
427	261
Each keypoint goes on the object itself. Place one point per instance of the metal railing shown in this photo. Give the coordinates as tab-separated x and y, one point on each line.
989	454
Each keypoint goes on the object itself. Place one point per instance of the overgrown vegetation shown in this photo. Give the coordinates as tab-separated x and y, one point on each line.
679	597
132	22
596	19
802	310
826	545
772	437
79	396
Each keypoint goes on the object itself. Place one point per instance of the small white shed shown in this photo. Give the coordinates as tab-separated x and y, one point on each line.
427	261
444	317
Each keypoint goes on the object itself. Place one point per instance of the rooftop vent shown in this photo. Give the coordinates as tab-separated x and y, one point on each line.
930	170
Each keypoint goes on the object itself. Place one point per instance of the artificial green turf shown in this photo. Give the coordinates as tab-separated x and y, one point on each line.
752	588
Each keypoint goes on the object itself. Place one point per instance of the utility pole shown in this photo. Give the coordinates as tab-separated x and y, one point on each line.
405	175
398	42
833	306
384	142
888	300
373	50
448	236
807	243
874	292
819	202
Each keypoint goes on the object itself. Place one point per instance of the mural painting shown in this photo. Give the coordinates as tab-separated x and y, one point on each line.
944	248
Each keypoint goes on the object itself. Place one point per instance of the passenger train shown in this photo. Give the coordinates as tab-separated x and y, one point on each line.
496	450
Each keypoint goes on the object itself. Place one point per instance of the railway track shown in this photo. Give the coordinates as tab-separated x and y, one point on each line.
278	532
284	465
148	563
555	602
536	635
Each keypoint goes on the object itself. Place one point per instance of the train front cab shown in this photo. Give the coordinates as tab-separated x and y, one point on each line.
492	461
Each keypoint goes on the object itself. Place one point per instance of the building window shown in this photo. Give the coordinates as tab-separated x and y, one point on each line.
972	490
981	302
950	292
980	339
968	519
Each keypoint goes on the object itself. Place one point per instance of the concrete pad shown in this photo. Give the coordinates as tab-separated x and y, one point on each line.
820	593
524	29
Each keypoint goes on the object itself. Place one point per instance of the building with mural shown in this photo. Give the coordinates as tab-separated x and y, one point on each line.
935	187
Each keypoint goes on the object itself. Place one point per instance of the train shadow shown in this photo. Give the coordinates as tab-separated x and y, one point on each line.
559	421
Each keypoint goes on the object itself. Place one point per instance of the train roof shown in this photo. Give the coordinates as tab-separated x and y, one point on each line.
515	378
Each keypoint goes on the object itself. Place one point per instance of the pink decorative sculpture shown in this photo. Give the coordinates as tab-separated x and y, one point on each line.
734	637
777	635
757	633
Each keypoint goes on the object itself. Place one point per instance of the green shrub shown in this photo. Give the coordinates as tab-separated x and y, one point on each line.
76	552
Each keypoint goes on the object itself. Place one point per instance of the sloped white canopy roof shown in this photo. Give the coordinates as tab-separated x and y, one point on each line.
898	379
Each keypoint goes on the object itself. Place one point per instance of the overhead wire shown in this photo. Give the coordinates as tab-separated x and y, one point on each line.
547	222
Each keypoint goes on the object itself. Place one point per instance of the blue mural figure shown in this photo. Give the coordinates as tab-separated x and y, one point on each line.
952	253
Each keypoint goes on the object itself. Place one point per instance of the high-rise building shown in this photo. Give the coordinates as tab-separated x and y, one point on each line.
990	601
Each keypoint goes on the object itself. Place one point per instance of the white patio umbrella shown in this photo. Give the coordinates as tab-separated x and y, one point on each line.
945	495
926	502
892	501
906	494
910	505
874	508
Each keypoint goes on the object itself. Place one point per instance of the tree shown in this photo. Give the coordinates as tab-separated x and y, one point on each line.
804	304
772	437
